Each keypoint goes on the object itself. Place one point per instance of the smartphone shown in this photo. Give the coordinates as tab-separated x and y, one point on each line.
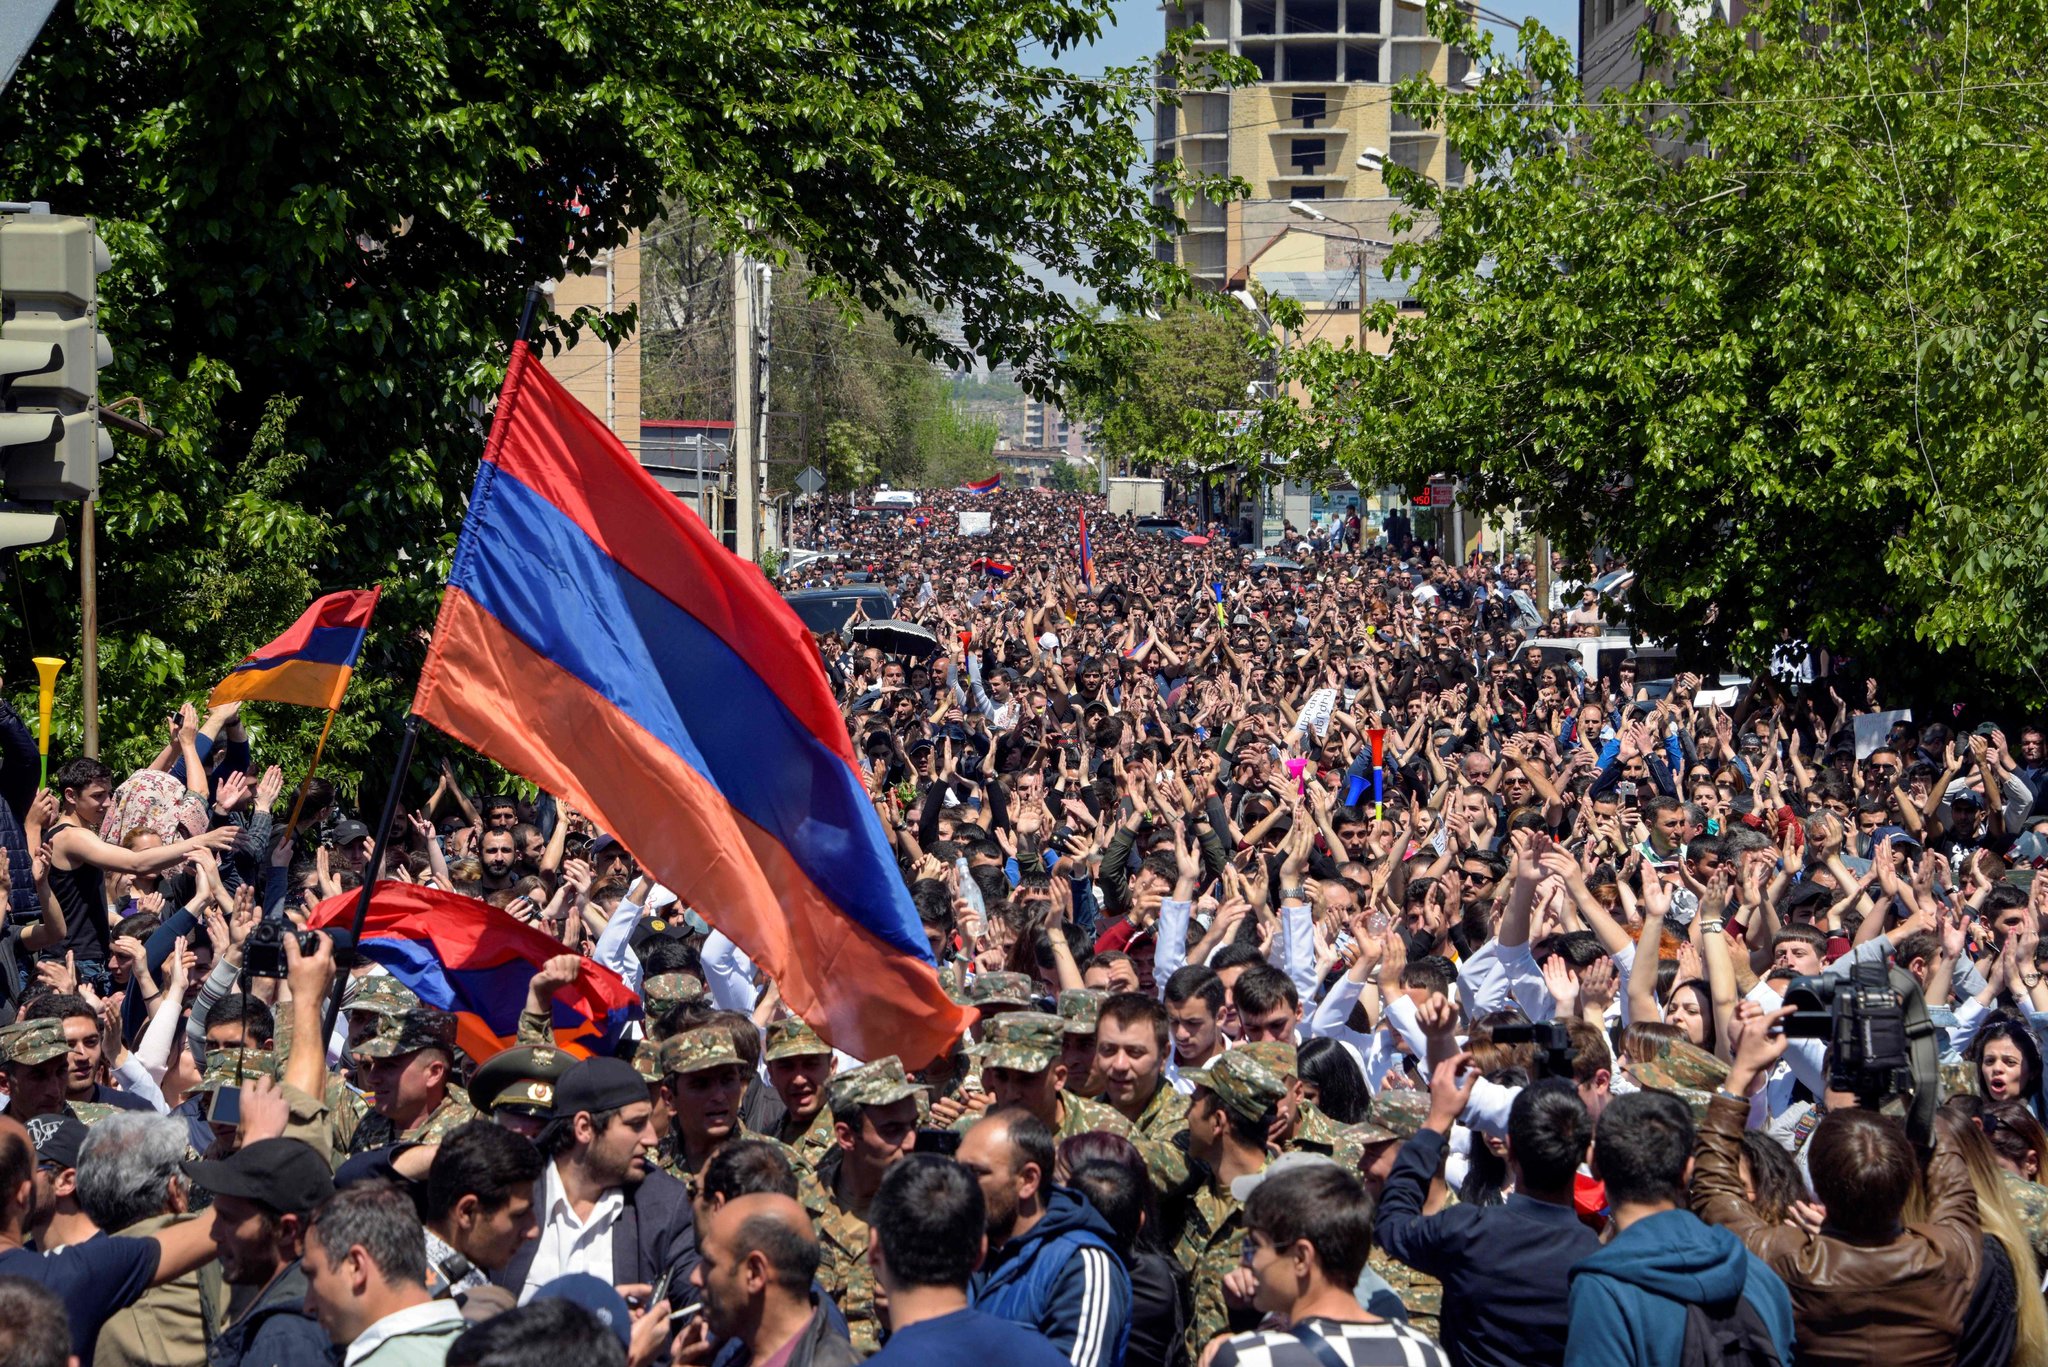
227	1107
660	1289
944	1142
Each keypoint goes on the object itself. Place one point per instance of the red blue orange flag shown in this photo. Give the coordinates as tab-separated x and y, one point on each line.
982	486
310	664
1087	556
472	959
597	639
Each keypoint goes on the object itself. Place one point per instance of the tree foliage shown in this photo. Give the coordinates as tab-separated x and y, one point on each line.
324	216
1158	403
1769	325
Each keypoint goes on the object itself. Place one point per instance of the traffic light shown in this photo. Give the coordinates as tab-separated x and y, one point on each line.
51	353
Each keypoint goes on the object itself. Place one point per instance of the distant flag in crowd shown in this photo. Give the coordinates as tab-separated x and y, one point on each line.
1087	556
1221	619
596	639
982	486
475	960
995	569
310	665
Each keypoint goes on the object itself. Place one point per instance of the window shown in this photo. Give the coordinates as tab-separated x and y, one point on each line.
1307	192
1310	62
1361	61
1311	106
1309	155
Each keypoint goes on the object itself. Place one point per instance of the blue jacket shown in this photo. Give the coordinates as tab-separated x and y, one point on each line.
1505	1269
1628	1300
1064	1279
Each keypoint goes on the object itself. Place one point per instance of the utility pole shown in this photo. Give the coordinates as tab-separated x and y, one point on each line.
762	338
746	411
89	613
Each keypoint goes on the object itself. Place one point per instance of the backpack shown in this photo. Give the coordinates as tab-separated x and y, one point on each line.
1734	1335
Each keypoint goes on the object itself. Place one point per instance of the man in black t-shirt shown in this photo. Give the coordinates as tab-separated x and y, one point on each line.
97	1278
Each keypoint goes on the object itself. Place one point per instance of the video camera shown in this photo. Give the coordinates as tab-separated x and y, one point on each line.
1554	1051
263	952
1881	1044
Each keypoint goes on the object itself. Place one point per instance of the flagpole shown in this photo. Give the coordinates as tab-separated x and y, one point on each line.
396	790
291	827
375	866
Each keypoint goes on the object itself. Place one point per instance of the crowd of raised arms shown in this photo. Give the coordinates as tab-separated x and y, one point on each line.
1359	983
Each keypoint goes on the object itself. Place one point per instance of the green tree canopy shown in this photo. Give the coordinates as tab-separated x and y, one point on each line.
1157	403
324	215
1770	325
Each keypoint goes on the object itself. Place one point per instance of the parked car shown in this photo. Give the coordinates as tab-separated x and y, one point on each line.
829	610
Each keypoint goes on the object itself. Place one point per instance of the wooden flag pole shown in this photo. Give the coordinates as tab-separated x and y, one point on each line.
291	827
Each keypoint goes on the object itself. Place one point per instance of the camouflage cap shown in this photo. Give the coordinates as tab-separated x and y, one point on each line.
382	995
1277	1054
1399	1111
1958	1079
236	1067
524	1076
1244	1085
664	992
1027	1041
872	1084
1677	1066
708	1046
1081	1009
791	1038
91	1113
646	1060
423	1027
1000	989
33	1042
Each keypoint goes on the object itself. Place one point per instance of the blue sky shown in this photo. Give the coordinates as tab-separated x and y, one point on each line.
1138	24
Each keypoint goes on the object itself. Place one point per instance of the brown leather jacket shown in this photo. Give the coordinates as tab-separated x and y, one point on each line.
1898	1304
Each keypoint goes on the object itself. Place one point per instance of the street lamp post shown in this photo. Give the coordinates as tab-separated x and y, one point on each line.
1303	209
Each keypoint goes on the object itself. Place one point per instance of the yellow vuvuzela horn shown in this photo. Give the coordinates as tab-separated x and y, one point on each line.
47	668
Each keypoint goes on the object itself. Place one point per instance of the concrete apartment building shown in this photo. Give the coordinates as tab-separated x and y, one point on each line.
1324	98
606	380
1607	37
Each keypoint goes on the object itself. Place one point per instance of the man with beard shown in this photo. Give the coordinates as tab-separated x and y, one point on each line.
757	1259
602	1209
500	855
263	1197
34	1057
1052	1263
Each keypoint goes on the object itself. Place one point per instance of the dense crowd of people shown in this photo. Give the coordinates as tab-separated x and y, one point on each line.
1357	984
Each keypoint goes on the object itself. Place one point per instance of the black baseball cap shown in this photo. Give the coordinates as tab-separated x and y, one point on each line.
57	1140
285	1175
348	830
598	1084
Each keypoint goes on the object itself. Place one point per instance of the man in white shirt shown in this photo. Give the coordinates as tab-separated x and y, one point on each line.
602	1210
366	1272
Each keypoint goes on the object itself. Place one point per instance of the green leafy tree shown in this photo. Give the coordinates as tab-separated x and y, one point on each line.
1156	400
324	216
1768	324
1070	478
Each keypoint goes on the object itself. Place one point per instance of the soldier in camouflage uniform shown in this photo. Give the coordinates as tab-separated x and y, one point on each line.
875	1107
1683	1069
396	1050
1081	1009
1236	1101
1020	1064
799	1067
34	1057
664	992
1397	1113
704	1079
2030	1204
